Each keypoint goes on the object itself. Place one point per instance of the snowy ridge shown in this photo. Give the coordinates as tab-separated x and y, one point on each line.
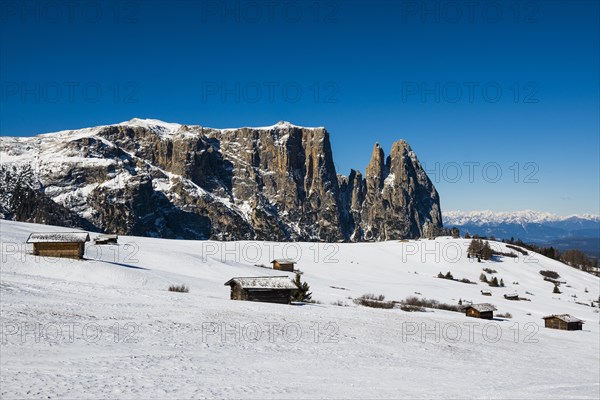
155	125
278	125
519	217
162	127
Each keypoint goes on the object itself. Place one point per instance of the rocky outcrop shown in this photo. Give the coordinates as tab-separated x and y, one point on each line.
146	177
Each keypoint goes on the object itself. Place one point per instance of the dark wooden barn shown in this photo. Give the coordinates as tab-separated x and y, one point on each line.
283	265
484	311
269	289
564	321
59	244
106	239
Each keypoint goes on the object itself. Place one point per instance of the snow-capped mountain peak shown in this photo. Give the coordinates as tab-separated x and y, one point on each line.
152	124
520	217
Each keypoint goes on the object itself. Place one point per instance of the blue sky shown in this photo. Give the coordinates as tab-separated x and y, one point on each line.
474	87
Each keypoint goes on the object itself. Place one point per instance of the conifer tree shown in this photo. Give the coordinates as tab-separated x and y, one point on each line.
486	251
302	293
556	289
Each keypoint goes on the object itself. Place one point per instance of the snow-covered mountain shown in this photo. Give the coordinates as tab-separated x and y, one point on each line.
487	217
152	178
106	327
564	232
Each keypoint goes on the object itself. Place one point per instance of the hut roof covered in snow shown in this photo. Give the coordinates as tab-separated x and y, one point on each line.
58	237
564	317
484	307
263	282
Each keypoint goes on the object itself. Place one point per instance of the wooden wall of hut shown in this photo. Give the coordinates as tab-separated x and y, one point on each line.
69	250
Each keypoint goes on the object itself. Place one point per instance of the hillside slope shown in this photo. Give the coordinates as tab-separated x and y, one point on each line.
201	344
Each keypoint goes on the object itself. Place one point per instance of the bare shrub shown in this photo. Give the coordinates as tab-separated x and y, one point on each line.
427	303
409	308
340	303
549	274
370	300
520	250
179	288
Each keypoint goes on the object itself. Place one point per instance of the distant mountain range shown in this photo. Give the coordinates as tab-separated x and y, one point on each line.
563	232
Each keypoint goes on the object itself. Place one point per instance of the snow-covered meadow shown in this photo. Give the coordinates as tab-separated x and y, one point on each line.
106	327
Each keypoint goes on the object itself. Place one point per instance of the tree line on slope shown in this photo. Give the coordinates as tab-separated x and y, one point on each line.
573	257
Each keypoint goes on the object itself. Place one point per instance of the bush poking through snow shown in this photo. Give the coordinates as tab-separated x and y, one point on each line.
550	274
179	288
417	302
313	301
409	308
447	276
505	315
340	303
370	300
520	250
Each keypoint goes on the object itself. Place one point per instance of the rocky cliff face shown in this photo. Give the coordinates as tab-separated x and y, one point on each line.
150	178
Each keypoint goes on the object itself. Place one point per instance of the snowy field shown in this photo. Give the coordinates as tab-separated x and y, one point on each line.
106	327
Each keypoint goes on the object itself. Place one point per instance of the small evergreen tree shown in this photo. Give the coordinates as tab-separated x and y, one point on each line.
302	293
494	282
501	282
483	278
460	302
467	236
556	290
486	251
473	250
440	275
448	275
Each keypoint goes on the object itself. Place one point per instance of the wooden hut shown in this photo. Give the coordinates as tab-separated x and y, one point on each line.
59	244
512	296
283	265
106	239
484	311
269	289
486	292
564	321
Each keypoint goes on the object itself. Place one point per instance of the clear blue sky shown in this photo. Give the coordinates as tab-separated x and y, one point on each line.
427	72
